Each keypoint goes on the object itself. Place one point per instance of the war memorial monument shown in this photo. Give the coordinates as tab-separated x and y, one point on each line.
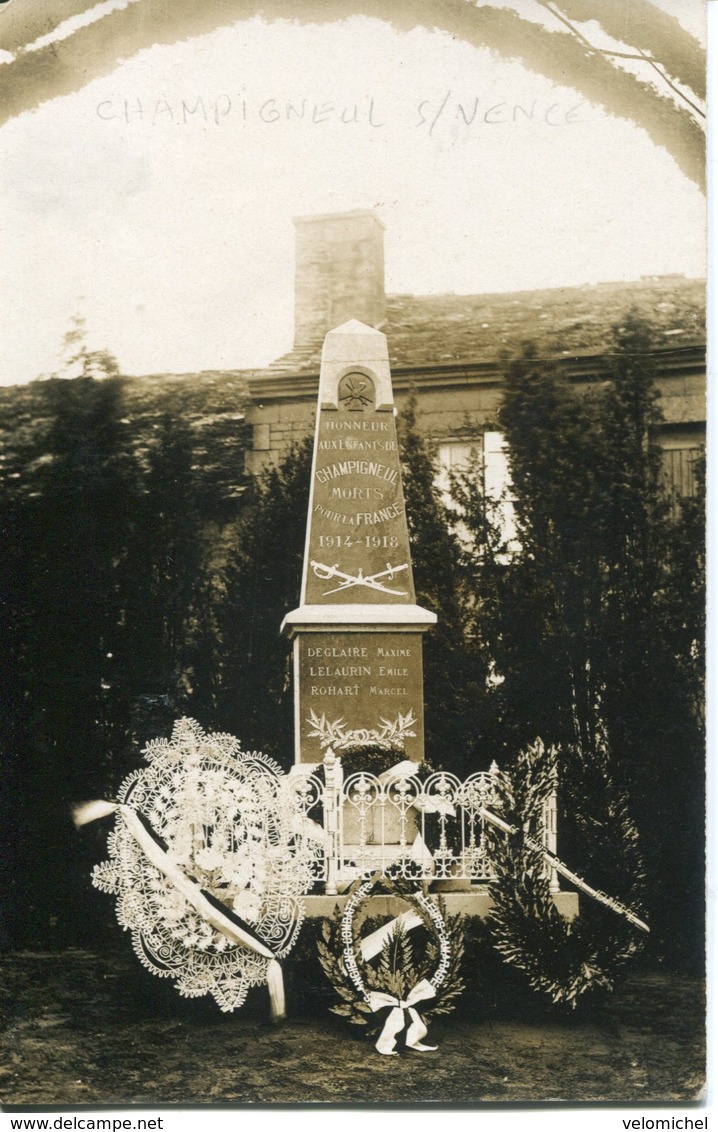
357	634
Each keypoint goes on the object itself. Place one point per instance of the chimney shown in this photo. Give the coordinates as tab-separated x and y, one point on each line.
339	273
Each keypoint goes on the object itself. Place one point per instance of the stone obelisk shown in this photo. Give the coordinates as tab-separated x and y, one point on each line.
358	631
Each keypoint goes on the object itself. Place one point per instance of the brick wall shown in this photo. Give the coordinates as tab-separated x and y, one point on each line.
275	428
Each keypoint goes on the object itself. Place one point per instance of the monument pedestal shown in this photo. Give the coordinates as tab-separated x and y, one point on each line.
358	677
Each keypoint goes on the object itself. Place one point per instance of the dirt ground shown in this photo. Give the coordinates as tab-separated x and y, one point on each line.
97	1030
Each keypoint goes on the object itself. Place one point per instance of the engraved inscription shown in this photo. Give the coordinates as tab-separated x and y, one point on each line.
357	504
362	681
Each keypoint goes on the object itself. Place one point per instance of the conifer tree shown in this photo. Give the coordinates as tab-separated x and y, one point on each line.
165	598
455	668
72	519
261	585
594	623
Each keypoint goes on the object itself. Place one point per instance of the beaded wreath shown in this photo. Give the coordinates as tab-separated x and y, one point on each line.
432	955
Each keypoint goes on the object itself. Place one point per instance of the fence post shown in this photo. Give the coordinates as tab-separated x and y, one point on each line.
333	777
550	839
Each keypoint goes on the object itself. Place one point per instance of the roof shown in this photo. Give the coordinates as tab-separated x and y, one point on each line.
426	330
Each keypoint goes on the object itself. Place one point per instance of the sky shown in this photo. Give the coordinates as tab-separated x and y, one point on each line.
157	202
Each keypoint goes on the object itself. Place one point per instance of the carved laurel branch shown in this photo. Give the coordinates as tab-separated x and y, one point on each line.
334	733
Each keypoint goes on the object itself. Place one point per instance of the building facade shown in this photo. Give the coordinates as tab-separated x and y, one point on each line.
449	349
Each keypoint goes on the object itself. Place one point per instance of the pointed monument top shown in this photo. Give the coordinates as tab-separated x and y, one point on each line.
354	346
353	326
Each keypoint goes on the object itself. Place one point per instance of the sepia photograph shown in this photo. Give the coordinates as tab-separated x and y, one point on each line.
353	375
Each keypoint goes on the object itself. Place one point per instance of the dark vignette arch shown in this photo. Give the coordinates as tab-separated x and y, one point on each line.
649	29
96	50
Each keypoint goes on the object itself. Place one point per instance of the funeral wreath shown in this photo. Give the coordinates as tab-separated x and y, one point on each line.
409	967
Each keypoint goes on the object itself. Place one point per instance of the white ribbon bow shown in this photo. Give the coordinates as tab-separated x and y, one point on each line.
395	1022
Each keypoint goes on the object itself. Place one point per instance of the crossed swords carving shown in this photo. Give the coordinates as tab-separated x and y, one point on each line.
348	580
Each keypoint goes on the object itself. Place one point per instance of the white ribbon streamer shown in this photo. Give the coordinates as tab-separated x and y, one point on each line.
372	944
396	1021
192	894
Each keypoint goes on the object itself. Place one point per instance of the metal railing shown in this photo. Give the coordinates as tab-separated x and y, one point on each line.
426	830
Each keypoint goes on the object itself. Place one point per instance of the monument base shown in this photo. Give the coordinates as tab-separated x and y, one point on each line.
476	903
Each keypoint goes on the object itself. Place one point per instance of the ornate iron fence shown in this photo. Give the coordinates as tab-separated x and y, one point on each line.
432	830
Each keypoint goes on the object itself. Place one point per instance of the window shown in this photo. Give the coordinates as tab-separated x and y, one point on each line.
498	487
454	456
491	450
679	470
